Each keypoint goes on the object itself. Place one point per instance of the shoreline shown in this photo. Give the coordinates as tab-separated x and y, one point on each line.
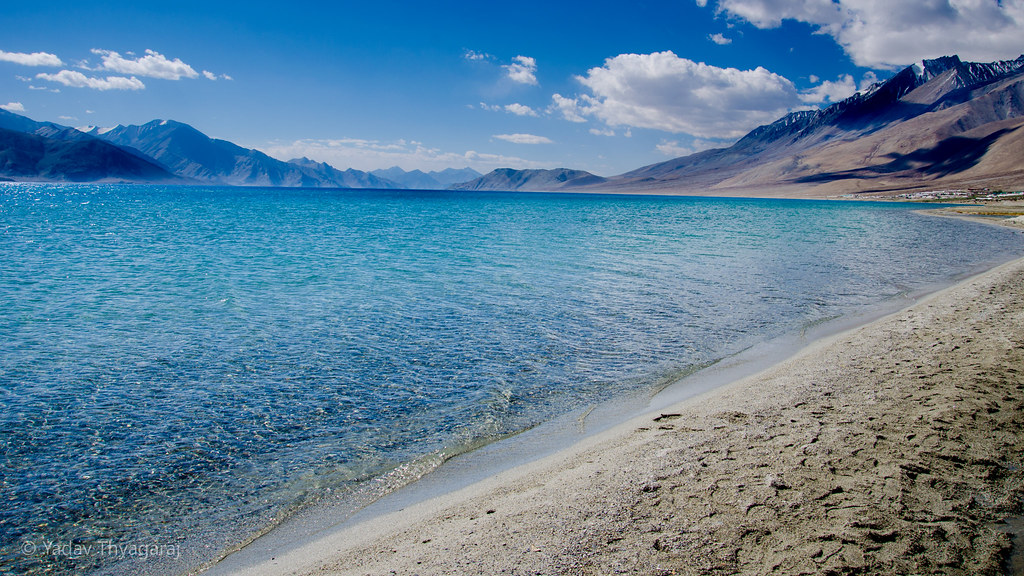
601	504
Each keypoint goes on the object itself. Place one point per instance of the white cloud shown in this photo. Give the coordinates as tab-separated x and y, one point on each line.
569	108
829	91
13	107
514	108
604	132
524	138
152	65
887	34
211	76
674	149
771	13
523	70
474	56
33	59
372	154
719	39
662	91
78	80
520	109
869	79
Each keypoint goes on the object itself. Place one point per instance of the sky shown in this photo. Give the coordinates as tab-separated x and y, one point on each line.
600	86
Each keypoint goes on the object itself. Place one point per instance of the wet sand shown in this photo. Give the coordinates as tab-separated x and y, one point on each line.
893	448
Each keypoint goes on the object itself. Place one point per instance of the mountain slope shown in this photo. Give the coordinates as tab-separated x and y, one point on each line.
507	179
413	180
942	123
192	154
27	156
326	175
451	176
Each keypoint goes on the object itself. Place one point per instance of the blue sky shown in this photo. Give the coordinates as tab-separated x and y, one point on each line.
601	86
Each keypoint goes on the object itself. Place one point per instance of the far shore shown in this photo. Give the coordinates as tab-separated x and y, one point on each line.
892	448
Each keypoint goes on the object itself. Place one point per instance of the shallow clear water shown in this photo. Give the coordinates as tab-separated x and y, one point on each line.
181	366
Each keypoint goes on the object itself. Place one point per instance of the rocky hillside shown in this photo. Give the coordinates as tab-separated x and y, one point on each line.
941	123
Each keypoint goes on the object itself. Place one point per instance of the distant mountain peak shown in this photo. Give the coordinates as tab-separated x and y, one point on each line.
966	74
511	179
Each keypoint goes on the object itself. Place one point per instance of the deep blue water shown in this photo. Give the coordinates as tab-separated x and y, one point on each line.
181	366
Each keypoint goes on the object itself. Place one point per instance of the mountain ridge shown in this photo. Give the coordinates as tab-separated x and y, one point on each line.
420	180
912	112
53	153
188	152
508	179
938	123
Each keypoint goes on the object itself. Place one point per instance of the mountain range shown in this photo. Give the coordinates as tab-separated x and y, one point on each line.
31	150
172	152
939	124
433	180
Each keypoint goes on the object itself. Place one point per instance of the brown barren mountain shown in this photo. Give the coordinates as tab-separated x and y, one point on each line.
939	125
942	124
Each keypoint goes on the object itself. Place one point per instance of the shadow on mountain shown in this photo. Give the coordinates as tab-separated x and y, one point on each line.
950	156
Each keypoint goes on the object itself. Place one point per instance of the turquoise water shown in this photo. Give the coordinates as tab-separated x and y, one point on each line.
180	367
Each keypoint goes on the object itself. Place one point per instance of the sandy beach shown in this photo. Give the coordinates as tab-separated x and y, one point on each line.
892	448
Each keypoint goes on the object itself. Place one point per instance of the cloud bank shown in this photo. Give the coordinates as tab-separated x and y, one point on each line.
13	107
887	34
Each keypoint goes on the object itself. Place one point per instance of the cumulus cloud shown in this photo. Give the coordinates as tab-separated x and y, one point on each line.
372	154
523	70
524	138
520	109
33	59
569	108
13	107
829	91
886	34
152	65
78	80
719	39
662	91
